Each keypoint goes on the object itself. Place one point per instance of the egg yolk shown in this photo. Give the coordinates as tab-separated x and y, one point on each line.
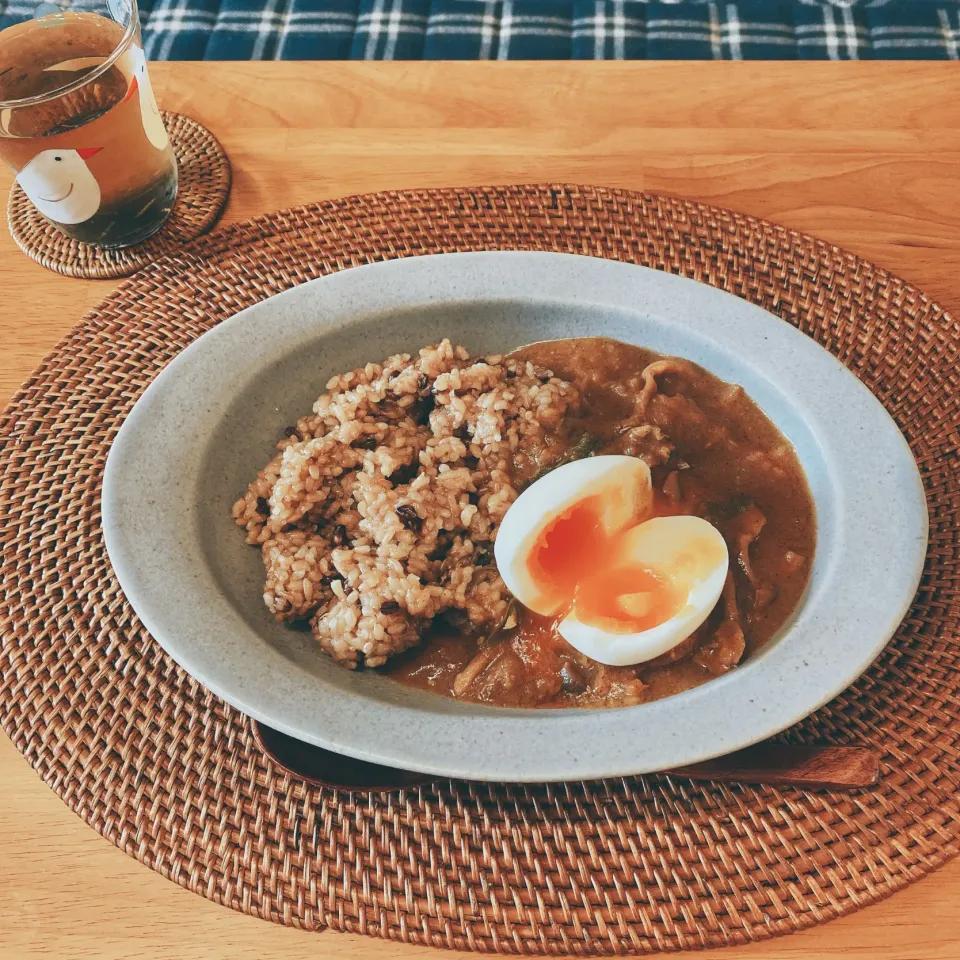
571	544
573	560
627	600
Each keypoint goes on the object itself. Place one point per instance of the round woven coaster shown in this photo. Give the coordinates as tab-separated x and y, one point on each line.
204	187
171	774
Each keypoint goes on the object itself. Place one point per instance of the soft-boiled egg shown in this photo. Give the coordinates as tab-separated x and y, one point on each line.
581	544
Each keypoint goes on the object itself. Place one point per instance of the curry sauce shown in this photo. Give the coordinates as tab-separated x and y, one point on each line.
712	453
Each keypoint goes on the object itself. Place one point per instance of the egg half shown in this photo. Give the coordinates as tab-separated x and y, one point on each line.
581	544
540	543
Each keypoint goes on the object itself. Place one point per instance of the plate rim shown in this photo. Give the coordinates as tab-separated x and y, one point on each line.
515	271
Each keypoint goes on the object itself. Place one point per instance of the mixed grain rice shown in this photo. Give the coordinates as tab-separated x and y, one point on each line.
380	510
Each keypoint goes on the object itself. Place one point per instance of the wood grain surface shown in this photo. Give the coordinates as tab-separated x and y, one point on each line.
864	155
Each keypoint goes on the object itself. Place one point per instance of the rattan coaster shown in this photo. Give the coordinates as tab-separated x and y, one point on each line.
172	775
204	187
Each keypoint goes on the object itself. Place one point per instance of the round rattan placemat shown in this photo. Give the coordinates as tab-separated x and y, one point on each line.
171	774
204	187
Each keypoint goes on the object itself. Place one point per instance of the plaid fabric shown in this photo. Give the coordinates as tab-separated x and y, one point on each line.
541	29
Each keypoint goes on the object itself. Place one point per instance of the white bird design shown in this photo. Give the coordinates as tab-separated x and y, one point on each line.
149	111
60	184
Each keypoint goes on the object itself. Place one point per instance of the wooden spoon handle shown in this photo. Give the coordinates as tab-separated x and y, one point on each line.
784	765
791	765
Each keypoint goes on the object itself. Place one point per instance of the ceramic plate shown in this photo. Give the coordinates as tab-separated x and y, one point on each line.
209	421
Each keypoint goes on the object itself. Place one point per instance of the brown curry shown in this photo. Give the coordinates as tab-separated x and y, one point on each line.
713	453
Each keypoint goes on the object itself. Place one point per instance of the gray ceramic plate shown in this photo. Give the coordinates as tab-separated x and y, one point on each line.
210	420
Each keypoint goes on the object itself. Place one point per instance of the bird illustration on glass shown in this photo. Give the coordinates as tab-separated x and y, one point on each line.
61	185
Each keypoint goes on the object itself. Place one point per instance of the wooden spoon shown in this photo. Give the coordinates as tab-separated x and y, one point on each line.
778	764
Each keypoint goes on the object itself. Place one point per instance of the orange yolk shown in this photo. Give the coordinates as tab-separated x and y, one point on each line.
572	560
571	544
627	600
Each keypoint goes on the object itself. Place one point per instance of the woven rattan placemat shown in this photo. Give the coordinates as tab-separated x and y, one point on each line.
171	775
204	186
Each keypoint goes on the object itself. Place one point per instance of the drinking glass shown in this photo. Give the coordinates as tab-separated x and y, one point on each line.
79	123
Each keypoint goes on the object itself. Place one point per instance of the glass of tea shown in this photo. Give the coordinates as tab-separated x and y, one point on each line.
79	123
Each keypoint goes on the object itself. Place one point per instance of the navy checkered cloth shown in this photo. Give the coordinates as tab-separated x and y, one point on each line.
542	29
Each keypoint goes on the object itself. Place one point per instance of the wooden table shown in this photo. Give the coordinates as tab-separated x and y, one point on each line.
863	155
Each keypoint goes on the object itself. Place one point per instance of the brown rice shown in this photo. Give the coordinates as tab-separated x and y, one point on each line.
380	509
